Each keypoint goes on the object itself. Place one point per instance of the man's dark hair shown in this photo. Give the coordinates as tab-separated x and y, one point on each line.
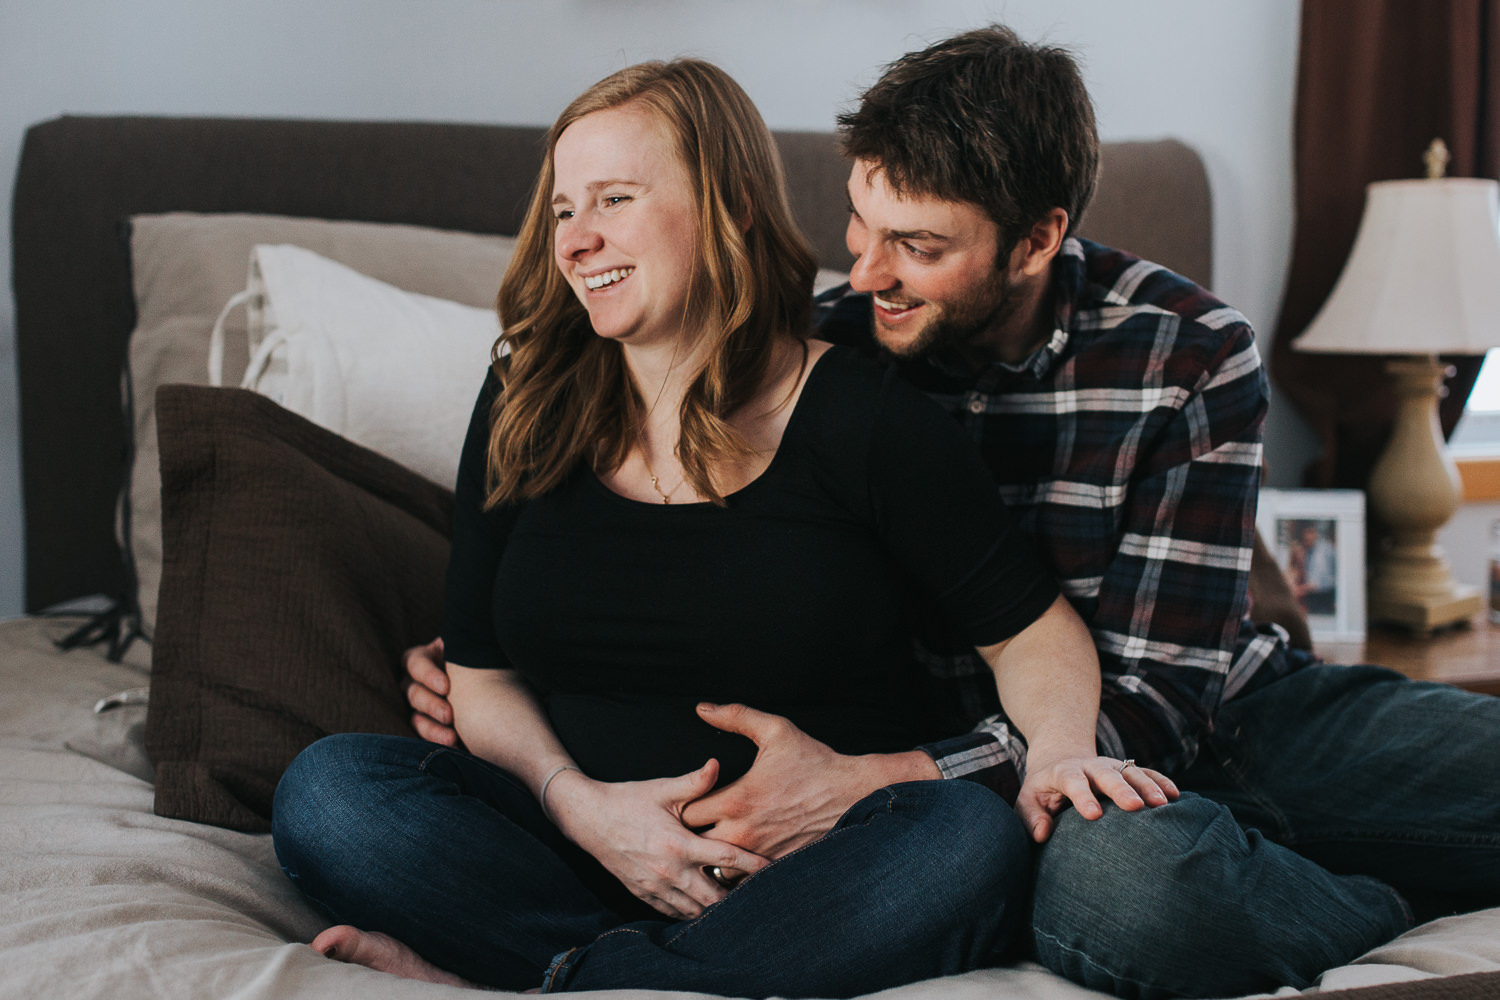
986	118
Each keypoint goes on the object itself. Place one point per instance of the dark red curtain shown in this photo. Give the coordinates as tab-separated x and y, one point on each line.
1377	80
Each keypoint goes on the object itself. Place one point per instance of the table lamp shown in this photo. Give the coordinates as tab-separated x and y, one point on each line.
1423	279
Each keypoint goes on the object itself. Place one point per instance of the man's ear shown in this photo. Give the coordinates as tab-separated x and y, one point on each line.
1033	254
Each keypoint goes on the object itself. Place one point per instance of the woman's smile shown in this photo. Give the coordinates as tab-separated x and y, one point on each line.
607	279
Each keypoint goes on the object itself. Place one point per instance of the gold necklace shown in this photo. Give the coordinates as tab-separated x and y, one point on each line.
655	482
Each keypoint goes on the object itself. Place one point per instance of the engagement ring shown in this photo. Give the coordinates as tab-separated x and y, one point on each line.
717	874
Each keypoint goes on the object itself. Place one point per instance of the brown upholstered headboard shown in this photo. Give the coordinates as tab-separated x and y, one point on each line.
80	177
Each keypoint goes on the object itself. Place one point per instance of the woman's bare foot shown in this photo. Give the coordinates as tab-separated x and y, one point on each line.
382	953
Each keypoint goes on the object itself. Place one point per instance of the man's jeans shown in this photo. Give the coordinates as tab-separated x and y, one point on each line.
452	856
1329	805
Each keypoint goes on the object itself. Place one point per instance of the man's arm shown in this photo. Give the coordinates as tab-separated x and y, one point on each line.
1165	608
1047	675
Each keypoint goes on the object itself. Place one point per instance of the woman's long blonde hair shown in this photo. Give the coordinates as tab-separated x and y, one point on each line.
566	395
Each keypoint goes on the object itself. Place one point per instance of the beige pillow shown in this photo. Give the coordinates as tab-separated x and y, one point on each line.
186	266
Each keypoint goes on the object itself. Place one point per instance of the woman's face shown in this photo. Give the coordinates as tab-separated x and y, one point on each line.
626	224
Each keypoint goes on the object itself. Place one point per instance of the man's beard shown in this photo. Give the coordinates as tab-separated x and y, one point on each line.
959	323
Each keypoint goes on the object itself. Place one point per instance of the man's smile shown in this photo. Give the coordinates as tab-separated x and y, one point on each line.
892	310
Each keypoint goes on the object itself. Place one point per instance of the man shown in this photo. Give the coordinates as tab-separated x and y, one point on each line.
1316	563
1121	407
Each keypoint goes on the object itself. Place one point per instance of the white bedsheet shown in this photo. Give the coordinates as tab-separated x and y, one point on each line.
99	897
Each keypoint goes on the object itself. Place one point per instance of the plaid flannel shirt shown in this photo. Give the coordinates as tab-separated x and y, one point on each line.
1131	443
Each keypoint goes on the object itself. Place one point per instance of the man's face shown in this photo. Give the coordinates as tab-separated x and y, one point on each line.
931	266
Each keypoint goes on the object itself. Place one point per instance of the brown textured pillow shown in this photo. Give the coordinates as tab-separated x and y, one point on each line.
297	566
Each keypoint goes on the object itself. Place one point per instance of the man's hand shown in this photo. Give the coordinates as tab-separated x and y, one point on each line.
1051	784
635	829
427	690
797	788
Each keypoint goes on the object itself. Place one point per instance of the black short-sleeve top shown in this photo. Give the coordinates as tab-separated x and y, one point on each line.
794	598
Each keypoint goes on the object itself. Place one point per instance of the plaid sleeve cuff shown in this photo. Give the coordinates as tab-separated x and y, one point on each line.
994	758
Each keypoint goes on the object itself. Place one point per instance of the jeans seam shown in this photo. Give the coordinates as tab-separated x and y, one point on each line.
563	963
296	879
1406	911
431	754
559	966
1057	942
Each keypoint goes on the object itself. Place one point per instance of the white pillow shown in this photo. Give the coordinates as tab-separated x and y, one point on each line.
827	278
392	370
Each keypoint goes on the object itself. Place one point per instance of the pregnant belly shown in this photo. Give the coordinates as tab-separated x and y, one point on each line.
624	738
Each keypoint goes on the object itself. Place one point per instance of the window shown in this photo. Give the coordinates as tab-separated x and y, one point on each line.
1475	445
1478	433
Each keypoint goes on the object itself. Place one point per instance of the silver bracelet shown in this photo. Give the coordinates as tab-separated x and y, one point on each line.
542	795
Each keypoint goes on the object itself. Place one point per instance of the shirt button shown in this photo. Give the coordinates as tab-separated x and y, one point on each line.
976	406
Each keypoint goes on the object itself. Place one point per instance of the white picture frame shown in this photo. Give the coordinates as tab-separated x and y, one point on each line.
1318	539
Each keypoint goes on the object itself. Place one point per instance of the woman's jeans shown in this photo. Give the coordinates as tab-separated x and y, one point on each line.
1326	808
452	856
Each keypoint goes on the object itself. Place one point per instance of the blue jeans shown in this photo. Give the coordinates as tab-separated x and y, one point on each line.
1326	807
452	856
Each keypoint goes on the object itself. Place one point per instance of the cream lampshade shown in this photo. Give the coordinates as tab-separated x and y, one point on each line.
1423	280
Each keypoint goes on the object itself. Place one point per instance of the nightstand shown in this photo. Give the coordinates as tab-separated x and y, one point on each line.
1467	656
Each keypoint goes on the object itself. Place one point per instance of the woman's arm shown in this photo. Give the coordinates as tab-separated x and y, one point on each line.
633	828
1048	679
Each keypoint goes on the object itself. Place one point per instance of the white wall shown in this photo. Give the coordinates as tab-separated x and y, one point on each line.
1218	75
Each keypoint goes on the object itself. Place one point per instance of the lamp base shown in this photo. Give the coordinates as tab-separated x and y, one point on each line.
1429	612
1413	491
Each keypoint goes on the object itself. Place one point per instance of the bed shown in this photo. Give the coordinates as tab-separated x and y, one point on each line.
105	889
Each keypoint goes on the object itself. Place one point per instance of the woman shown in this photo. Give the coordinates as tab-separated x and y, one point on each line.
669	496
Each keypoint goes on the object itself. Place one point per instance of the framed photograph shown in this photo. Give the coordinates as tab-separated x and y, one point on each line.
1318	537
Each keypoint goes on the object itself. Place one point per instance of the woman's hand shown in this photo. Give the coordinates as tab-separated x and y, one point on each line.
635	830
1053	782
